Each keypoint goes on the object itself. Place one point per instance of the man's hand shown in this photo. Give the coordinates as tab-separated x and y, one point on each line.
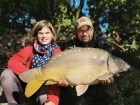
104	82
110	80
63	83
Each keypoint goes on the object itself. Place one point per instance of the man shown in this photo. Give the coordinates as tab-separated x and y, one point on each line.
100	94
85	36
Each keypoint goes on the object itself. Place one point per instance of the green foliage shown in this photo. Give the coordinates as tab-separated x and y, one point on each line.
123	35
128	89
123	17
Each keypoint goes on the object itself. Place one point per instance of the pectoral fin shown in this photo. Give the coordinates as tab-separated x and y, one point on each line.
33	86
81	89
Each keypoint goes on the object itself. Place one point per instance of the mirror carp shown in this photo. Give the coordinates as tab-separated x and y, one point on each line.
80	67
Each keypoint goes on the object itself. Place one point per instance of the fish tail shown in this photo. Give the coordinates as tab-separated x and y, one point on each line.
33	86
28	75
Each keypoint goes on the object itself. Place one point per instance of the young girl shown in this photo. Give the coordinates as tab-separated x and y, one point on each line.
31	56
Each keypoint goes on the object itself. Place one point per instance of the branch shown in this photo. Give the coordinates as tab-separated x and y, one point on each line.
116	44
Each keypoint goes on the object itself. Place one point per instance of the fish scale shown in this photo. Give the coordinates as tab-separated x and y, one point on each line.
80	67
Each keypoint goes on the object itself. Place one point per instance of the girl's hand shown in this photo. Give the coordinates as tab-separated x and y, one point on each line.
49	103
63	83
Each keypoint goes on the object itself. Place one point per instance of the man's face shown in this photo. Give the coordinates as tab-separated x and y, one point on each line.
85	34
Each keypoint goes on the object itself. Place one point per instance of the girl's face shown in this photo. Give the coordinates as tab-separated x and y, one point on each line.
44	36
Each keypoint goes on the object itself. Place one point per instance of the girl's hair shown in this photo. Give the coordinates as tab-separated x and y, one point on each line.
43	23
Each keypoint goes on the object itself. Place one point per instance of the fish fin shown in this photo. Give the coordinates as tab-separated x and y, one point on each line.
81	89
28	75
95	82
106	76
49	82
33	86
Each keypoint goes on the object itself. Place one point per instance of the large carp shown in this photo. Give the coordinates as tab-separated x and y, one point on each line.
81	67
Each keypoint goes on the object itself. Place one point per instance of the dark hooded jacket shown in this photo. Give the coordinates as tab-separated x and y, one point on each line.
94	43
95	93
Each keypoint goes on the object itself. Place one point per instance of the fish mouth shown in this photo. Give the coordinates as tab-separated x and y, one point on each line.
127	68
